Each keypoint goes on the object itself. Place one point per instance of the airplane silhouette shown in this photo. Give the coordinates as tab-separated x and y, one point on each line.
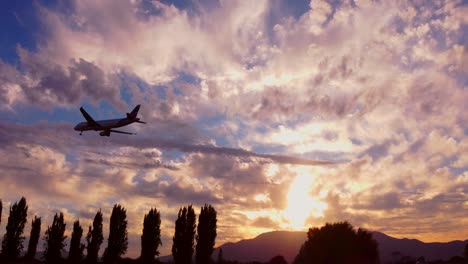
106	126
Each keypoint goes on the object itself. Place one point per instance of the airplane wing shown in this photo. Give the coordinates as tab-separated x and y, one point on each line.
121	132
88	117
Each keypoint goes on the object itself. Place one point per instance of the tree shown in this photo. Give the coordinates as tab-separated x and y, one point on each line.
12	244
94	238
55	239
278	260
118	238
456	259
466	253
220	256
1	207
151	237
34	237
182	247
338	243
75	255
206	234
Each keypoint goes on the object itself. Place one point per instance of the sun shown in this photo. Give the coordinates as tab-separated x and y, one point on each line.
301	205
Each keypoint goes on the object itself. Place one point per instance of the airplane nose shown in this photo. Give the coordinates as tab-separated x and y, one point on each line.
76	128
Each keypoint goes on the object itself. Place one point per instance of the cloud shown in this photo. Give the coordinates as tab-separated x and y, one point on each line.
128	169
155	164
10	90
211	149
45	83
169	38
264	222
370	97
387	201
174	192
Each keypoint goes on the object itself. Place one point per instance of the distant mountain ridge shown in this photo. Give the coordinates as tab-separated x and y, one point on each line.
264	247
416	248
287	243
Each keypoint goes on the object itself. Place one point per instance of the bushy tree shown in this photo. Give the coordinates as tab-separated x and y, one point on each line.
34	237
206	234
94	238
466	253
55	239
182	247
278	260
75	255
338	243
12	244
151	237
117	242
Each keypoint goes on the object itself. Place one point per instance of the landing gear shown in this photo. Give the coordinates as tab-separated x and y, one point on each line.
81	133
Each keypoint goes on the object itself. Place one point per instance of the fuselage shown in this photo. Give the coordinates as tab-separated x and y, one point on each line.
104	124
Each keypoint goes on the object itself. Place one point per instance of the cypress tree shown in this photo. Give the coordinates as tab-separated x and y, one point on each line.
34	237
55	239
94	238
206	234
182	247
177	240
117	242
151	237
12	244
220	256
75	254
465	252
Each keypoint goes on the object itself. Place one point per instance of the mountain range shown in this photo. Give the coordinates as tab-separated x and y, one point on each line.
287	243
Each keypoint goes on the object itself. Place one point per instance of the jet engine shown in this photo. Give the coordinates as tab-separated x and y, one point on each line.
104	133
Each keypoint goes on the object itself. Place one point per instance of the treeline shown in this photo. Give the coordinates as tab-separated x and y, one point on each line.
331	243
54	240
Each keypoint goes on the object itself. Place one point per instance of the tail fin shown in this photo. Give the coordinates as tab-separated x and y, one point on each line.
134	112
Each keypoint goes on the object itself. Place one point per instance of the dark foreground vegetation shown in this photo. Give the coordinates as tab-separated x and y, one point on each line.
337	243
117	242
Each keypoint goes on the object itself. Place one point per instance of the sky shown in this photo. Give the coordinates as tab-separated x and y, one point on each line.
283	115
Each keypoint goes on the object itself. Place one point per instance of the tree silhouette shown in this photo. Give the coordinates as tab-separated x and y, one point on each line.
151	237
456	260
220	256
278	260
1	207
338	243
117	242
54	239
206	234
94	238
465	253
75	255
182	247
12	244
406	260
421	259
34	237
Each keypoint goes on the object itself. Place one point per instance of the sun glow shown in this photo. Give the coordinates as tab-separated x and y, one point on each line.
300	204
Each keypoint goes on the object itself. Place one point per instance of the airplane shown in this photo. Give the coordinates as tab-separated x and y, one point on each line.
106	126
